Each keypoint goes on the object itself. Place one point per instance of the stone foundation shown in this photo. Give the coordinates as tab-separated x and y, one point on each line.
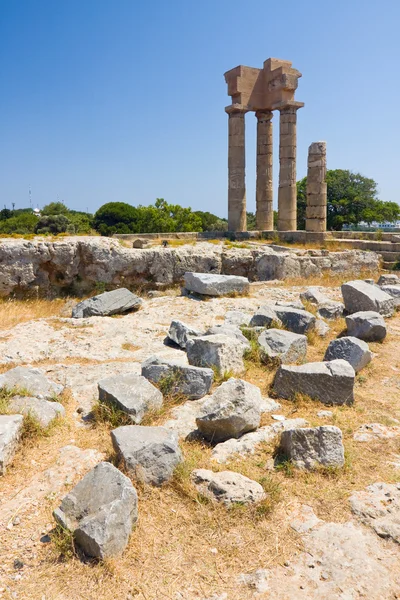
78	265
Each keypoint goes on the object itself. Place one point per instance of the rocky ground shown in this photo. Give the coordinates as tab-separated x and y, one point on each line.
322	534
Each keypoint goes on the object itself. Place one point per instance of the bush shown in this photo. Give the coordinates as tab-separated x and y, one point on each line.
54	224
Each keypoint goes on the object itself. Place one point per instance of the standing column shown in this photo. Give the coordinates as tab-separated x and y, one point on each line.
287	193
264	190
316	188
237	219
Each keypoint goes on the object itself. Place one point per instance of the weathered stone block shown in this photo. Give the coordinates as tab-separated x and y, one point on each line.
312	446
218	351
131	393
10	433
33	381
208	284
110	303
368	325
284	346
329	382
227	487
180	333
355	351
361	296
193	382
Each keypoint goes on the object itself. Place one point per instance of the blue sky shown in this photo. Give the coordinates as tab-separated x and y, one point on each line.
121	100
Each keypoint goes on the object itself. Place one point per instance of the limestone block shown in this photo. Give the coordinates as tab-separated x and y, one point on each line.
361	296
312	446
191	382
355	351
216	351
10	433
33	381
131	393
369	326
284	346
209	284
227	487
180	333
116	302
43	411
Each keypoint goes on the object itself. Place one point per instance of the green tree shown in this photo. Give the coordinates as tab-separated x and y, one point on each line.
54	208
21	223
352	198
54	224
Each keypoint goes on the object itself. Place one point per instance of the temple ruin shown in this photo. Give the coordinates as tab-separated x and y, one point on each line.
262	91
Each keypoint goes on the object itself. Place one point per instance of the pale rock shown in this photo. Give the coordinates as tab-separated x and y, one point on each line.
210	284
43	411
229	331
388	280
327	308
394	291
227	487
329	382
355	351
10	433
366	325
237	318
219	351
100	511
150	454
312	446
131	393
232	410
265	316
32	380
379	507
360	296
284	346
180	333
189	381
116	302
375	431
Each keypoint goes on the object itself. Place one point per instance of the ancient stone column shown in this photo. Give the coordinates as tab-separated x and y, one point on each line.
287	193
316	188
264	191
236	169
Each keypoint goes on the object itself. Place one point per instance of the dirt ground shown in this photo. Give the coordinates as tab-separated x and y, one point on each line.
183	548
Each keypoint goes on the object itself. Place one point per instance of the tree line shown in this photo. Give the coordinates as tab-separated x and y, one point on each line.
352	199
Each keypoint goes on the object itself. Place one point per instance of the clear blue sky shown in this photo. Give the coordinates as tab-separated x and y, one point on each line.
123	100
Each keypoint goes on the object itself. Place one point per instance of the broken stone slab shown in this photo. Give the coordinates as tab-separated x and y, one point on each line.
290	304
350	348
179	379
247	443
312	446
44	411
329	382
379	507
303	519
100	511
296	320
150	454
265	316
237	318
210	284
321	328
388	280
10	433
375	431
284	346
131	393
230	331
394	291
32	381
233	409
327	308
115	302
227	487
360	296
216	351
368	325
180	333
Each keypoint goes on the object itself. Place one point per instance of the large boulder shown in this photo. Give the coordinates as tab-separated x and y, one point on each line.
233	409
394	291
43	411
350	348
110	303
131	393
329	382
180	333
296	320
179	379
312	446
31	381
221	352
10	433
150	454
230	331
265	317
227	487
327	308
209	284
361	296
284	346
366	325
100	511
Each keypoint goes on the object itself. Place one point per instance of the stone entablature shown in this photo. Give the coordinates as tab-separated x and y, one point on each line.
262	91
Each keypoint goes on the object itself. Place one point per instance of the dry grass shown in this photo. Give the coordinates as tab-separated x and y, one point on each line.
13	312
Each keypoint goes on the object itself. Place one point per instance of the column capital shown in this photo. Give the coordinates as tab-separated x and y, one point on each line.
290	107
236	109
264	115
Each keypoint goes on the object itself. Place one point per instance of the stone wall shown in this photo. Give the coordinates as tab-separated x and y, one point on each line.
79	264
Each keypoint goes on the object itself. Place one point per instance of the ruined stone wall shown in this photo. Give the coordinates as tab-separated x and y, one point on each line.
78	265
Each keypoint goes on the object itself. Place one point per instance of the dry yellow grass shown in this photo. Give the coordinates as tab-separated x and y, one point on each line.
183	543
13	312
